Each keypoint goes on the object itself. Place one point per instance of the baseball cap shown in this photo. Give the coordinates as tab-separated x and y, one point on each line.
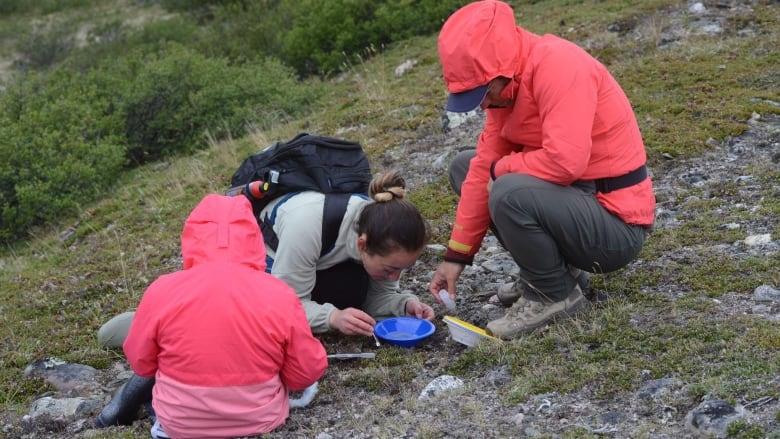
466	101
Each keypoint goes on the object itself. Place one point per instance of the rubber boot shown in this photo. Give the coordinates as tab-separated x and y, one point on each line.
123	407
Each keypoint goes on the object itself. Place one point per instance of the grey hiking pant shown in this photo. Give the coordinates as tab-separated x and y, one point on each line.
547	227
114	332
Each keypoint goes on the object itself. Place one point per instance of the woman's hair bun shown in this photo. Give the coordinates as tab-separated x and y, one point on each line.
387	187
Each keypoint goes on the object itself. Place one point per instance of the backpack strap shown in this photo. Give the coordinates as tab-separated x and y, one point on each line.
267	223
333	212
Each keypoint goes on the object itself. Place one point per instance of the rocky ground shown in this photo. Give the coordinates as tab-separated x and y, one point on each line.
373	398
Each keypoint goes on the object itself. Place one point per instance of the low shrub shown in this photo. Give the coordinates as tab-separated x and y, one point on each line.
318	37
65	135
59	146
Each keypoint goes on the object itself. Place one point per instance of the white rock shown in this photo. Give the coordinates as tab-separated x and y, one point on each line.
766	293
454	120
436	248
324	435
404	67
697	8
731	226
439	385
711	29
762	239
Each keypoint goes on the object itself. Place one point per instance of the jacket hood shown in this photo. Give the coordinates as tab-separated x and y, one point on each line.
222	228
477	43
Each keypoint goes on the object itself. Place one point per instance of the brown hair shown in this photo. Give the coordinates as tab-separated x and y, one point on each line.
391	222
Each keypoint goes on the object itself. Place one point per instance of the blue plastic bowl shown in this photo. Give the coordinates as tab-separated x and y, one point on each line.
404	331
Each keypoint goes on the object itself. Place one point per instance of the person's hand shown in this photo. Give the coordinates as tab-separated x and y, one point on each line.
352	321
415	308
445	278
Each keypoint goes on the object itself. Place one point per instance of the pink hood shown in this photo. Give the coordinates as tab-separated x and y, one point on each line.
222	229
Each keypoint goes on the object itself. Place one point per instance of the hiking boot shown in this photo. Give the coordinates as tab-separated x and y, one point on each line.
508	293
123	407
527	315
583	280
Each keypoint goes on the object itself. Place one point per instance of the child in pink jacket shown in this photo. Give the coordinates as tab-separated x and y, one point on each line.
221	341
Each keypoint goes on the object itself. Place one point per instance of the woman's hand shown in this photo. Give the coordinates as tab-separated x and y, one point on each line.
352	321
445	278
415	308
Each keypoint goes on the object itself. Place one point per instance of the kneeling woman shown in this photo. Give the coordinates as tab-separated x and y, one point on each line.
348	286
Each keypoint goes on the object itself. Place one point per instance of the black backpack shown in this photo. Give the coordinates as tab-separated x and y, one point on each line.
337	168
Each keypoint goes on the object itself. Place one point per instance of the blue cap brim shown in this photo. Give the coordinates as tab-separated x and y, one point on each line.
466	101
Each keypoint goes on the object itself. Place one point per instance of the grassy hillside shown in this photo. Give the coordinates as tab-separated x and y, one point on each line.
58	287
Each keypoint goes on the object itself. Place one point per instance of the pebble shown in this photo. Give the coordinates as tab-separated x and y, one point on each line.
324	436
766	293
731	226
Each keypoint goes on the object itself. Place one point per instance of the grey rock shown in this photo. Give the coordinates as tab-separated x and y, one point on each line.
440	385
766	293
754	240
518	419
69	378
441	161
324	435
712	418
436	248
404	67
501	266
48	408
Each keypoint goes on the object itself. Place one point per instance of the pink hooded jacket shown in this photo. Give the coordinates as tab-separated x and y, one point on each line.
570	119
225	340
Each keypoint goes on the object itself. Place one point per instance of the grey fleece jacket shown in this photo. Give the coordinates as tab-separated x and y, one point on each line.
298	225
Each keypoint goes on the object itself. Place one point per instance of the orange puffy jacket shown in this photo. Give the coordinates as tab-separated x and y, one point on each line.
570	119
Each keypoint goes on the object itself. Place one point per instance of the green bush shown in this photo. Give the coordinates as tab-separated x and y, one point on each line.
65	135
59	146
173	97
8	7
326	36
318	37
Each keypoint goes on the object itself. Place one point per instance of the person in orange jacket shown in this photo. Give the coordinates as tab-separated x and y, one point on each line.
559	169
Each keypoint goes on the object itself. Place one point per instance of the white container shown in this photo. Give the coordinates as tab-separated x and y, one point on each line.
447	300
466	333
